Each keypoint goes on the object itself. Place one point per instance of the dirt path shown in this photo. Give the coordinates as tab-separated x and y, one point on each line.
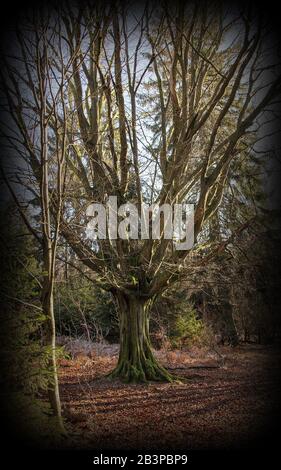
225	407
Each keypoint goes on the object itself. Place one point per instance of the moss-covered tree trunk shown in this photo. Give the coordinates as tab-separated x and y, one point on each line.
136	360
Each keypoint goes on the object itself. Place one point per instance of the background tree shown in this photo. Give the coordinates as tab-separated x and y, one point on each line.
41	152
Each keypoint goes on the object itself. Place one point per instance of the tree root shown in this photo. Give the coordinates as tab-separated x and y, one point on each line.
142	372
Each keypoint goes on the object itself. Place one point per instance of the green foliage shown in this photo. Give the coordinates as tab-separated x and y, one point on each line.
176	317
187	328
255	292
82	309
24	358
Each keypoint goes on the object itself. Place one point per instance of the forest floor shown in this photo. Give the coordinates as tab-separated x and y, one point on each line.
224	401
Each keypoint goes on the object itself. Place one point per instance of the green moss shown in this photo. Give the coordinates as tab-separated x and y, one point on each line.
144	371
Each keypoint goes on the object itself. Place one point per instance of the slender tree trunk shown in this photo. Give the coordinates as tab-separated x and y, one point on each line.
136	360
50	340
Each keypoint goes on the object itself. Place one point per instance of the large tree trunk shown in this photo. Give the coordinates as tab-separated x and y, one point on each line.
136	361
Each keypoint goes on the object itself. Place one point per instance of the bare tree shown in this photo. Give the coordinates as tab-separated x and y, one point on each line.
159	101
41	146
